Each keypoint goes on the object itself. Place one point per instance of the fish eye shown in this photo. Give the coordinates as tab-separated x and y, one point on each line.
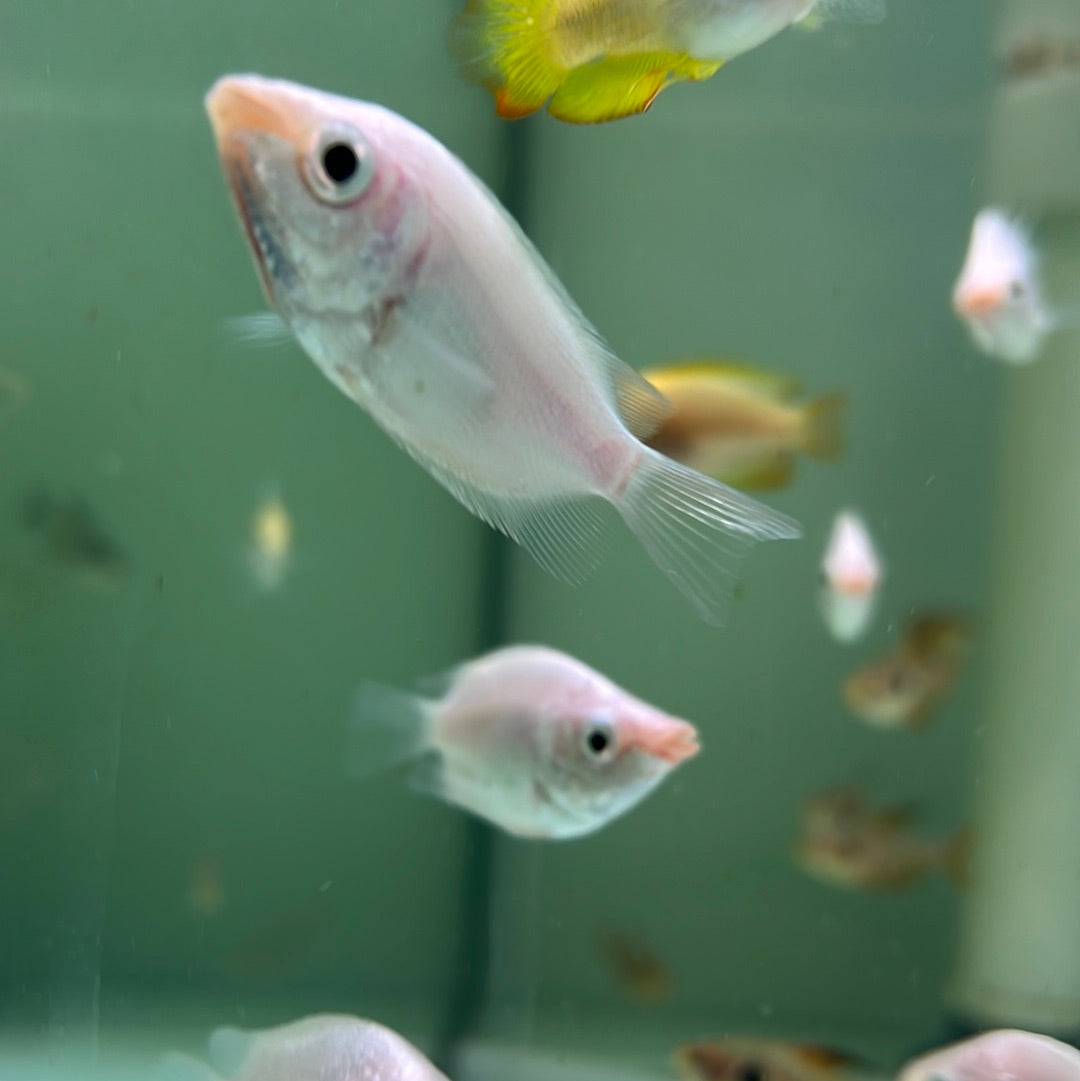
598	742
1016	289
339	166
751	1071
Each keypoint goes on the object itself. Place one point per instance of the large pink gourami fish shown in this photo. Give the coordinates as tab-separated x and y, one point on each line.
1001	1055
418	297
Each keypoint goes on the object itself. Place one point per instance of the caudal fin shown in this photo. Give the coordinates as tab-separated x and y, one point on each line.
823	426
502	44
388	727
696	529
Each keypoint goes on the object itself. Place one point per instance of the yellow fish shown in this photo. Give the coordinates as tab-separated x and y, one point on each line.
596	60
742	425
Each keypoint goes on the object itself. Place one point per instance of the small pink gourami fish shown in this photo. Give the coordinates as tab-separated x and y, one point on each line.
415	293
526	737
851	573
1002	1055
325	1047
998	294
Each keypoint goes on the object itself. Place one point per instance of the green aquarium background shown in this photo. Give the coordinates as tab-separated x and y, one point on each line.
806	210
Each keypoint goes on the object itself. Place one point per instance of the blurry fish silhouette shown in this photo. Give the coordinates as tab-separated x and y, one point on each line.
751	1059
207	895
845	842
270	553
325	1047
596	60
1002	1055
851	574
999	295
636	967
74	536
901	689
420	299
14	391
531	739
742	425
30	775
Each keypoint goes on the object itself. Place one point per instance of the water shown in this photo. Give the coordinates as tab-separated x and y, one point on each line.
179	844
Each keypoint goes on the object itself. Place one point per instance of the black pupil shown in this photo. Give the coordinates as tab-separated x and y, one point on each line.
750	1072
340	162
598	742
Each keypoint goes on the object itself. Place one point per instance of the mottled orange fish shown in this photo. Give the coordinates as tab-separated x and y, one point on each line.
846	842
596	60
901	689
743	425
745	1059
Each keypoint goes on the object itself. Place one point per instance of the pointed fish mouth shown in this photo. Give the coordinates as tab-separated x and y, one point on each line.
671	742
242	105
979	301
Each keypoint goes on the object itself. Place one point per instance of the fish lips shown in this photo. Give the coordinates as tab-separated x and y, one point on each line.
243	120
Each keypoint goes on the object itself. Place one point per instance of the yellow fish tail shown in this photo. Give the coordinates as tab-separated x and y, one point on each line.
823	426
618	86
504	45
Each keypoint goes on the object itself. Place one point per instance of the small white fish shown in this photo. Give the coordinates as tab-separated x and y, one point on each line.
534	741
325	1047
1002	1055
270	553
999	294
851	574
420	299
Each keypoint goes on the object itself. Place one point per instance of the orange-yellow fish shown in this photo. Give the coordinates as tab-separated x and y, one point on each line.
846	842
742	425
744	1059
596	60
901	689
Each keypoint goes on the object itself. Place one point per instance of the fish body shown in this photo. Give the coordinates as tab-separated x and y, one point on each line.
325	1047
270	551
901	689
528	738
747	1059
74	536
851	575
597	60
418	297
845	842
742	425
1001	1055
999	295
637	968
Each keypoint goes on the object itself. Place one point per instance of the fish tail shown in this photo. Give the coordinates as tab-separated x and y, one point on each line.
619	86
696	529
823	426
956	857
505	46
388	727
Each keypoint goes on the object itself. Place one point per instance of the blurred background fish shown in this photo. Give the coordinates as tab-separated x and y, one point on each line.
604	59
14	391
845	842
1002	1055
901	689
851	574
999	295
206	894
271	546
741	424
637	968
747	1059
74	536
